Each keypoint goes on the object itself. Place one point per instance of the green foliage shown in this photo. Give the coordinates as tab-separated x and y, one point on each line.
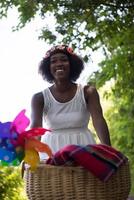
121	120
11	184
76	21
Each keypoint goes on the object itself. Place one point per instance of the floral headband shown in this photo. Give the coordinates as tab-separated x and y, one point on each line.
63	48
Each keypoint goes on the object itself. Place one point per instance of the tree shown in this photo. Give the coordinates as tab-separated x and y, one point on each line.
11	184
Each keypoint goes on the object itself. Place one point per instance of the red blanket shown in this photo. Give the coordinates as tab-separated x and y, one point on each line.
99	159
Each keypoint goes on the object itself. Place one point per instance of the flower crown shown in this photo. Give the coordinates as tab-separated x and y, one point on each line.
63	48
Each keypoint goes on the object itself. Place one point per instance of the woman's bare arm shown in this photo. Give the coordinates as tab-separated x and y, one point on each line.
37	104
95	109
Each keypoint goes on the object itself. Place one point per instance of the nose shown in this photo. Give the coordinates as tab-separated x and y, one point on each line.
59	63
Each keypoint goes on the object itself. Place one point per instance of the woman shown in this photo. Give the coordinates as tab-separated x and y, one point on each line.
67	106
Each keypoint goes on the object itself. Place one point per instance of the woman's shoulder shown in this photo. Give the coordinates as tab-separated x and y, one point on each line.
91	93
37	97
90	89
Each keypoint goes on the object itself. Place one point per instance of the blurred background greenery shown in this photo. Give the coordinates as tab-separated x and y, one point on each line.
11	184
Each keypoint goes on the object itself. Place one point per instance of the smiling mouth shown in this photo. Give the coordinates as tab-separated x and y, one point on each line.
59	70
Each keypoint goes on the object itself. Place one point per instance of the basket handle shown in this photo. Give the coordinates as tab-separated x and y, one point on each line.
22	169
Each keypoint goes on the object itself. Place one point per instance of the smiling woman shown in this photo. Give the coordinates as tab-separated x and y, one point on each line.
67	106
60	66
77	64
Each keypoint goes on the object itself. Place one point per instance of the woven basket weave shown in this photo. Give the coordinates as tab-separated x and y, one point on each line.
75	183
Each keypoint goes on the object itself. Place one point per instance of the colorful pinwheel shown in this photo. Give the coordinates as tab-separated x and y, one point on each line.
17	144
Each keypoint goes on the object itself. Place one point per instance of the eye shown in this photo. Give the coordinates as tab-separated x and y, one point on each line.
52	61
64	59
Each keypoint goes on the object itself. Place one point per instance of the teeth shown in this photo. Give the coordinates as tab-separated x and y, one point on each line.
59	70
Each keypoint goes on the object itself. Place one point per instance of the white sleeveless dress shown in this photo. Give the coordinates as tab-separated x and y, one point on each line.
68	121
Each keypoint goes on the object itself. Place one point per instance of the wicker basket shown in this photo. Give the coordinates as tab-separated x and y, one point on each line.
75	183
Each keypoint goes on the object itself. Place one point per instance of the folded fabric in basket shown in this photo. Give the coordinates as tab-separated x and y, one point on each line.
101	160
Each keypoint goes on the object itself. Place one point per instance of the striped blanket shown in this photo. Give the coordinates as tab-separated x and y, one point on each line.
101	160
